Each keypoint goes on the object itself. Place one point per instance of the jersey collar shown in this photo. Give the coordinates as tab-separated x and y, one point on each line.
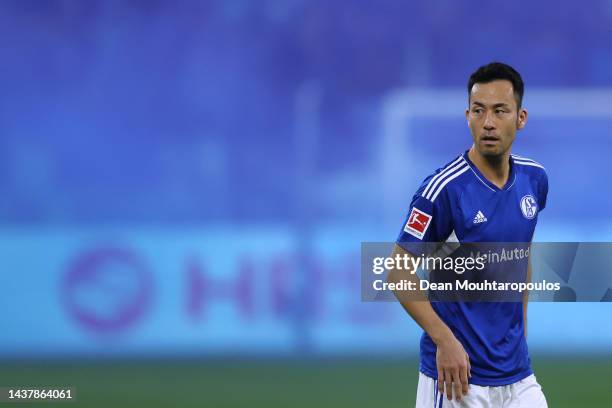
485	181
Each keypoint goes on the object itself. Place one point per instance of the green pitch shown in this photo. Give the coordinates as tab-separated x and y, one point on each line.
282	383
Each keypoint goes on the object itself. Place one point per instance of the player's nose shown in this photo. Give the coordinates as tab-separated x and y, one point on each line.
489	124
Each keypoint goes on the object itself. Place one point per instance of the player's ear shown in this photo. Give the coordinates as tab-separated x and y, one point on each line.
522	118
467	116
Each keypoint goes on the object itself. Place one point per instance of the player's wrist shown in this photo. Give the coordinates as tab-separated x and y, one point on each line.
442	336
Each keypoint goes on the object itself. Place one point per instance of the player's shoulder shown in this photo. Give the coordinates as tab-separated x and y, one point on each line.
443	177
529	166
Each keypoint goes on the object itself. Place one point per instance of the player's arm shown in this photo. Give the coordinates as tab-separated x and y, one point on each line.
526	295
452	361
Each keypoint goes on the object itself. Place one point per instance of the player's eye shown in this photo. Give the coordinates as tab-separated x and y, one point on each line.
477	111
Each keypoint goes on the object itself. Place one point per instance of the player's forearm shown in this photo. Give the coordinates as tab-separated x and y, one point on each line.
417	304
426	317
526	296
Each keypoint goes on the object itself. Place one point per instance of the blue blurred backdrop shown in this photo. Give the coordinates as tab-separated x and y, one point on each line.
195	178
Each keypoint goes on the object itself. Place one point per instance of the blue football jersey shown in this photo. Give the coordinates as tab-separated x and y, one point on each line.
458	203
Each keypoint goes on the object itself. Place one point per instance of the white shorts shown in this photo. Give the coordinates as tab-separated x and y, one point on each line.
526	393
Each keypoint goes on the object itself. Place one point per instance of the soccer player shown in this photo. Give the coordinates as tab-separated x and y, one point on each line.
475	353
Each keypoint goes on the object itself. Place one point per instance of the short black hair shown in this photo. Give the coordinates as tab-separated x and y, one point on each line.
495	71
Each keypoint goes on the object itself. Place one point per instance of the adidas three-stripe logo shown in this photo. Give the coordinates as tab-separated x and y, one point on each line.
479	217
449	173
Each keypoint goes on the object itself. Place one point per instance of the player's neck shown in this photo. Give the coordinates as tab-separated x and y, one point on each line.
495	169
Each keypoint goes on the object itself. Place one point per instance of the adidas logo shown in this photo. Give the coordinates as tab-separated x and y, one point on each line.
479	218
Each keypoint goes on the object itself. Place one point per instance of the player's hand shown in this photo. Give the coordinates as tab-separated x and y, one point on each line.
453	365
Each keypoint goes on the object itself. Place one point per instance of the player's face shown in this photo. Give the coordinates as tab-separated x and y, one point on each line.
494	117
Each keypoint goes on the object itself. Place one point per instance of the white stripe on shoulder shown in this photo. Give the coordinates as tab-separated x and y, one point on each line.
525	159
448	180
444	171
526	163
516	156
462	163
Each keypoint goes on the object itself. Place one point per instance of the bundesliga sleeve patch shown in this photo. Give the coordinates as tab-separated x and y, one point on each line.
418	222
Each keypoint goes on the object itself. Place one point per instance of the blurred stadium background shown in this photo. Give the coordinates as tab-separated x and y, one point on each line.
184	187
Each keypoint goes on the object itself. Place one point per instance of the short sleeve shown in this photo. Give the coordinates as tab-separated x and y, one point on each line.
427	221
542	190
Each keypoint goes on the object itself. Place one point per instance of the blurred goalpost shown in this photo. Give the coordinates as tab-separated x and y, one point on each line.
401	107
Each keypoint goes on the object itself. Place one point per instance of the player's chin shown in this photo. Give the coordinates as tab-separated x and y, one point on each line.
491	152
